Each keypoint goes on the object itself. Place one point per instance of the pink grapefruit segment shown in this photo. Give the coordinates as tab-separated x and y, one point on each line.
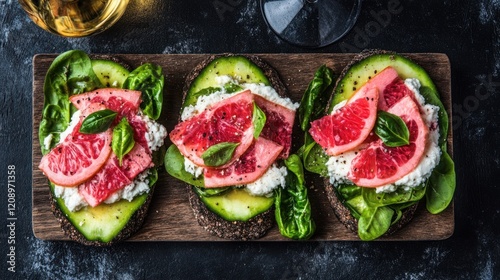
79	157
250	166
379	165
227	121
279	124
114	99
348	126
107	181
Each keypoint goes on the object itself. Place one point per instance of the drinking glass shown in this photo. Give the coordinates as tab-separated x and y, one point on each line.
310	23
74	18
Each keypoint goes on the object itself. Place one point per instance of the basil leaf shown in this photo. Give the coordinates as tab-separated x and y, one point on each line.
442	185
374	222
98	121
292	205
258	120
174	164
219	154
392	130
148	78
123	139
316	96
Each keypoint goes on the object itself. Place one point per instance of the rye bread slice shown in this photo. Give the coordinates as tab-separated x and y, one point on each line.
134	223
257	226
341	211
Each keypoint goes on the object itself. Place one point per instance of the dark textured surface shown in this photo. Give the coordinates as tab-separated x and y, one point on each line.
467	31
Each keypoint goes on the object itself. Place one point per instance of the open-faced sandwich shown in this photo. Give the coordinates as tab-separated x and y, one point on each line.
380	142
98	136
232	147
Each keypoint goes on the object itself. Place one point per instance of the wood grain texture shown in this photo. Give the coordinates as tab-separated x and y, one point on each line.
170	216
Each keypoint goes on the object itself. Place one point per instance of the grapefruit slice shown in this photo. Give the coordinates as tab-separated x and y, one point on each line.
348	126
79	156
279	124
392	93
134	162
107	181
379	165
248	168
227	121
114	99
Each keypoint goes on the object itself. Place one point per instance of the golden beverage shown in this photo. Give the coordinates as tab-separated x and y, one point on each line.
74	18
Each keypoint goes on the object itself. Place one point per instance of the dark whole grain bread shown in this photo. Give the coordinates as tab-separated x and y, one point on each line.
257	226
341	211
134	223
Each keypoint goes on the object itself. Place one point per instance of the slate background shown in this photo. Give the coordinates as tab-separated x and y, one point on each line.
467	31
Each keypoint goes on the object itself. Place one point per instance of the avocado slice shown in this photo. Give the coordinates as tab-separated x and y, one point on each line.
238	67
101	225
234	204
110	73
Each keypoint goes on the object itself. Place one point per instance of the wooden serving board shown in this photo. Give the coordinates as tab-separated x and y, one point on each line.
170	217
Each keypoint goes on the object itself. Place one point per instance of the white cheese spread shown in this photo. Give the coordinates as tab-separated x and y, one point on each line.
339	166
272	179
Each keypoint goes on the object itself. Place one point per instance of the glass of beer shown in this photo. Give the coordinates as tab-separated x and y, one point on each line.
74	18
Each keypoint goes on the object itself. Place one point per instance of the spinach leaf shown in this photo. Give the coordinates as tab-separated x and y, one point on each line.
123	139
148	78
374	222
314	157
207	192
174	164
219	154
399	196
232	87
70	73
441	186
98	121
53	123
392	129
292	206
348	191
316	96
258	120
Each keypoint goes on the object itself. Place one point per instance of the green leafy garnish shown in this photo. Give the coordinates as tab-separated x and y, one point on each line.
232	87
442	185
98	121
258	120
392	130
148	78
123	139
175	167
374	222
70	73
293	209
219	154
316	96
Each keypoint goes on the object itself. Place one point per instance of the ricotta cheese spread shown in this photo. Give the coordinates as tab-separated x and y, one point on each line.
154	135
339	166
